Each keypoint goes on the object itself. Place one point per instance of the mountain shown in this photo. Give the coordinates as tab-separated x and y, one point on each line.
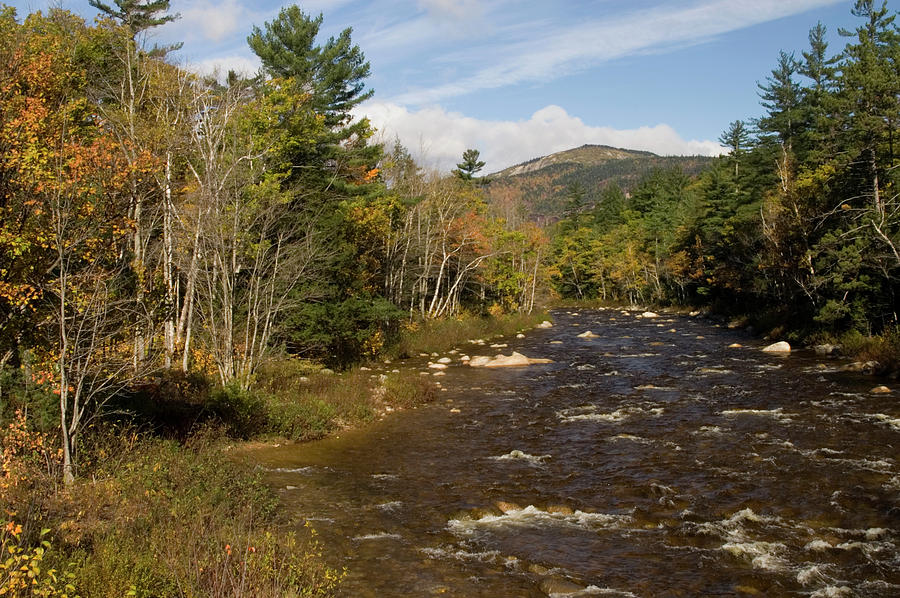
537	189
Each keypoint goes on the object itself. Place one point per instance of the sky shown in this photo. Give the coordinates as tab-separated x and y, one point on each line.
522	79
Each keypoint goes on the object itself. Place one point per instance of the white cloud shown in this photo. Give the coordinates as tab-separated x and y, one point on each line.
209	20
438	137
220	66
458	10
540	53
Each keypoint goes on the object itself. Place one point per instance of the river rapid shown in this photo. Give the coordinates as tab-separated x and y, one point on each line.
654	460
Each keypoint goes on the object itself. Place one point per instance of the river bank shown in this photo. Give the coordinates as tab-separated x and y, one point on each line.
160	507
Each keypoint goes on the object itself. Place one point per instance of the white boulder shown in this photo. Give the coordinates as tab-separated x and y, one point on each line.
779	347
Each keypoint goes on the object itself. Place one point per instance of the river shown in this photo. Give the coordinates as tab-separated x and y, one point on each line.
654	460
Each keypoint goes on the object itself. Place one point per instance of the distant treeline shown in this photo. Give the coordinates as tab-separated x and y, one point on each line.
798	224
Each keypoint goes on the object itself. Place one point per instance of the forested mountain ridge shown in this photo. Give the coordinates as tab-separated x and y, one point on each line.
540	188
585	155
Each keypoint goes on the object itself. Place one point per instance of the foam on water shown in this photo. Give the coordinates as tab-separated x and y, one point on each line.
717	370
714	430
833	592
762	555
595	591
777	414
617	416
459	554
301	470
390	506
533	517
517	455
630	437
814	574
817	545
893	422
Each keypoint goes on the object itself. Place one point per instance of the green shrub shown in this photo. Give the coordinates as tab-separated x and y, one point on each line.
243	413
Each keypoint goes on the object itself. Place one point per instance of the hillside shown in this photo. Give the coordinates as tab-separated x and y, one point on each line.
537	189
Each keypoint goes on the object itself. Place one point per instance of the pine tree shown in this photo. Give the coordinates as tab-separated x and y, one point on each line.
137	15
470	165
781	98
334	73
737	139
817	136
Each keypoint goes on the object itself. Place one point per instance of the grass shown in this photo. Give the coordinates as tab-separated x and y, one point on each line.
156	517
883	348
157	509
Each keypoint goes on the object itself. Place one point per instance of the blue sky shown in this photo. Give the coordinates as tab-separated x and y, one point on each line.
518	80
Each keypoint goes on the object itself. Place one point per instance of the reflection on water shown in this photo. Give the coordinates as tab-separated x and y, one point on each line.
653	460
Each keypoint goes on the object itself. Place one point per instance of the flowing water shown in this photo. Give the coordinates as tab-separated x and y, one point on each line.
654	460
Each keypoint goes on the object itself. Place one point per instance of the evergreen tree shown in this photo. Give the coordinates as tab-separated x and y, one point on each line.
817	136
137	15
334	73
781	98
470	165
737	139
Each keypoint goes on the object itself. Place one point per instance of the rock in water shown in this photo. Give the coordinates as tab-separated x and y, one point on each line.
826	349
779	347
544	324
506	507
649	314
880	390
588	334
479	361
500	360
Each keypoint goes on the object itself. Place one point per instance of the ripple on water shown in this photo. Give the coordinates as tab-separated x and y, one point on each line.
589	413
533	517
517	455
776	414
377	536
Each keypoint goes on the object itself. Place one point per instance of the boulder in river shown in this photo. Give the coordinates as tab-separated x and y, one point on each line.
735	346
826	349
649	314
588	334
500	360
779	347
506	507
865	367
545	324
880	390
438	366
444	360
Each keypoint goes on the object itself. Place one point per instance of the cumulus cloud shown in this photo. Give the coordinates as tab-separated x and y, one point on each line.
439	137
220	66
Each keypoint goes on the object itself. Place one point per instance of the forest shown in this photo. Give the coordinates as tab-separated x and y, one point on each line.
797	226
177	249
